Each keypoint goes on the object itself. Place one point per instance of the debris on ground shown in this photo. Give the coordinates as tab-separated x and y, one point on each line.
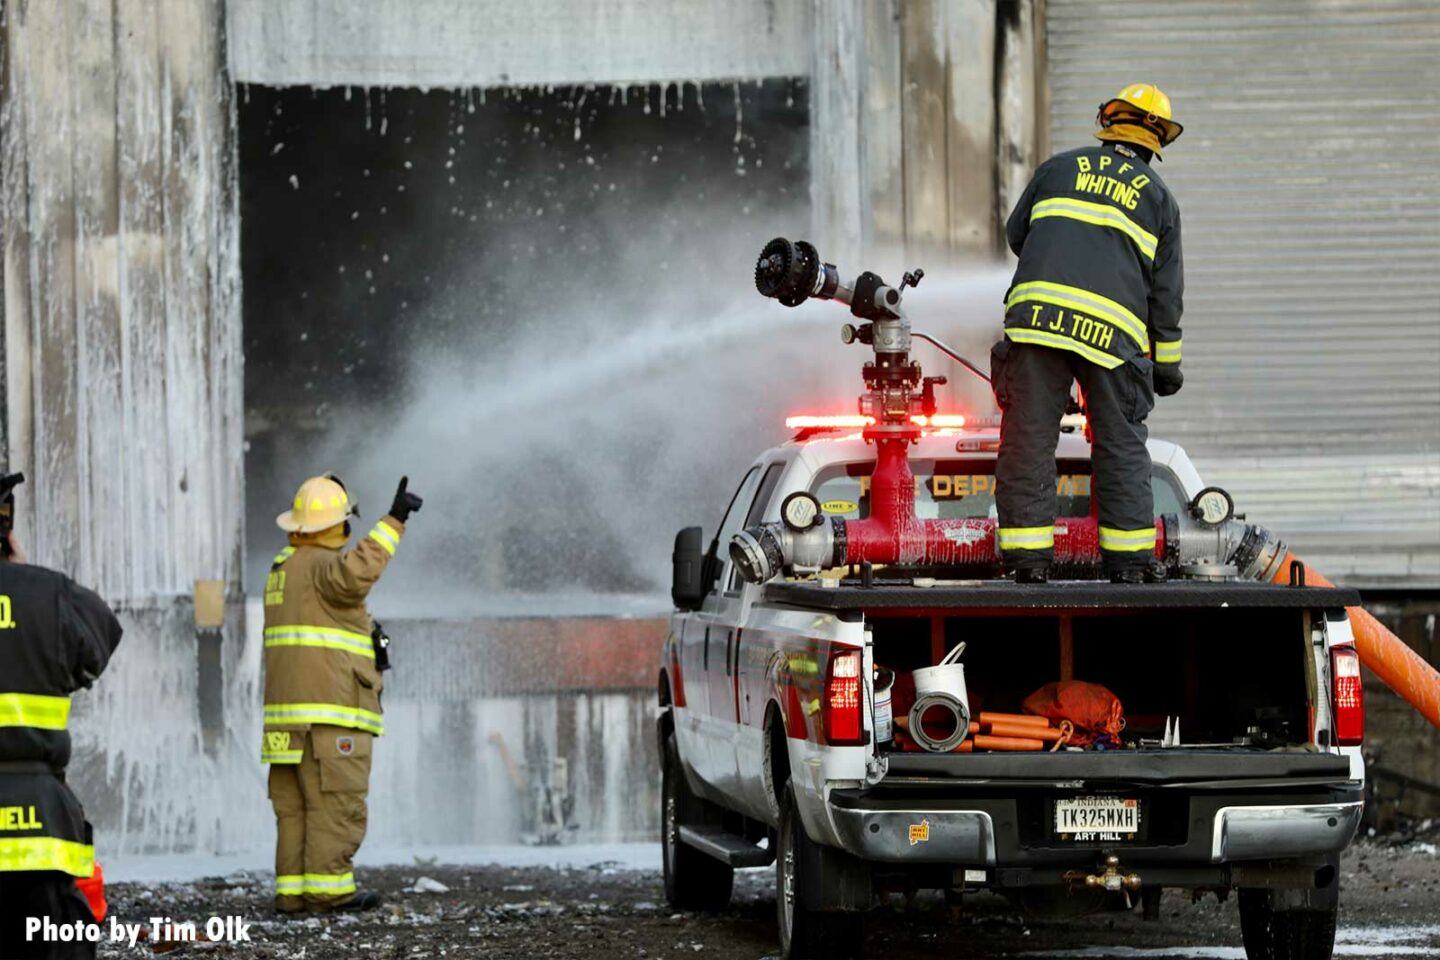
1388	908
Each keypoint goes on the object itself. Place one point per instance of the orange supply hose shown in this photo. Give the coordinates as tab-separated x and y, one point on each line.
1024	731
983	742
1392	660
93	889
1024	718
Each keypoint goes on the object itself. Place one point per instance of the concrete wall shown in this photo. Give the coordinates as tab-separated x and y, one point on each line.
122	340
497	731
923	118
923	112
459	44
123	385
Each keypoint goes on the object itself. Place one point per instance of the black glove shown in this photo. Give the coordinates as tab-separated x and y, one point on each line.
405	503
1168	379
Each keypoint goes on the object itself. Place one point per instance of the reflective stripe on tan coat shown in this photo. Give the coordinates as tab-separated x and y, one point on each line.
319	666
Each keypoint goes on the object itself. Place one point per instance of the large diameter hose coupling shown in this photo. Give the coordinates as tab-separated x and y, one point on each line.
765	551
1252	550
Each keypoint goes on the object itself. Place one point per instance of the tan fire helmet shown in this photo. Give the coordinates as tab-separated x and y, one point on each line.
321	503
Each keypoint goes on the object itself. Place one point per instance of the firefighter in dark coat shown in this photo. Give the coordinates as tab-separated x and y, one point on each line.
1096	299
55	638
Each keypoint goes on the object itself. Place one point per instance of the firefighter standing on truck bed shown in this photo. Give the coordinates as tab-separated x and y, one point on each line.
1096	298
56	637
322	692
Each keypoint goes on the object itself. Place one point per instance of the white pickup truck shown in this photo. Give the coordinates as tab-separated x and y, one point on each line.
1240	770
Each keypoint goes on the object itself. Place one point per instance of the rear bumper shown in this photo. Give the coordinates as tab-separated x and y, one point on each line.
1283	830
917	836
1211	831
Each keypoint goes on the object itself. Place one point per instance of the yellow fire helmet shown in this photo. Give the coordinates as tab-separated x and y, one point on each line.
320	503
1139	113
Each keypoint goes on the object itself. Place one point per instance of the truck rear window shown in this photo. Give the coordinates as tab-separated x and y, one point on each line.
947	489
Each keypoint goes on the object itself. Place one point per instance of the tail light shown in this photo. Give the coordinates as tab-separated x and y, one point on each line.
1348	696
840	712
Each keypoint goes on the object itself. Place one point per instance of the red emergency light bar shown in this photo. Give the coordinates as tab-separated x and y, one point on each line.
853	421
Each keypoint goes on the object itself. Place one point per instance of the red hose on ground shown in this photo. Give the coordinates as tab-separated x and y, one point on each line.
1392	660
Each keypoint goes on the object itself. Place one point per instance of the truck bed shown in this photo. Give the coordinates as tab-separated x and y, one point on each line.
977	595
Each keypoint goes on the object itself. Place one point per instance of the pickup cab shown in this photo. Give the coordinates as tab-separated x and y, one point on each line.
1239	766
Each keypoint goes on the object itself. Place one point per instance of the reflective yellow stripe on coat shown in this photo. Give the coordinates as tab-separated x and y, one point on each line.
34	710
1062	342
283	714
1167	351
47	853
385	535
1083	302
332	638
1100	215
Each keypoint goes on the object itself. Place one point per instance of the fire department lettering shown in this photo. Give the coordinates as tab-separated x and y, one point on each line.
275	589
7	621
1107	185
19	818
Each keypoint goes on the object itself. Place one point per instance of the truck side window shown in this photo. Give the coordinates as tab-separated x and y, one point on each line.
753	516
729	524
763	495
1169	498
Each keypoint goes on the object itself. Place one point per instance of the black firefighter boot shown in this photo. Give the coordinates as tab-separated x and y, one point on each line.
1033	574
363	900
1153	571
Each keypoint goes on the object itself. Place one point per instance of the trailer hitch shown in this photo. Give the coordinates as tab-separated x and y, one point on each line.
1110	879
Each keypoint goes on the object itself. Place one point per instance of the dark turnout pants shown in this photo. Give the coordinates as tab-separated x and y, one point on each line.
41	894
1032	386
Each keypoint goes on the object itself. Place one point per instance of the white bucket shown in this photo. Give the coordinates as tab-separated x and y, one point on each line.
947	676
942	688
884	722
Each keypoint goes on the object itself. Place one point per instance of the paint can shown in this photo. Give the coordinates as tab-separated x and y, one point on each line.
884	719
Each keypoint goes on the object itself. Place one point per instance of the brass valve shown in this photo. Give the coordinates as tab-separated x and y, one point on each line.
1110	879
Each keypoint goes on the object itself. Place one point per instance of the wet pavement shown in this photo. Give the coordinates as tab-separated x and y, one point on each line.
1390	907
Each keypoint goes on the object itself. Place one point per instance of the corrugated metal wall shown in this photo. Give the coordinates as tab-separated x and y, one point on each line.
1309	182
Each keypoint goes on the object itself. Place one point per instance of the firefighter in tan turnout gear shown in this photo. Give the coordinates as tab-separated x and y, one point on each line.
322	692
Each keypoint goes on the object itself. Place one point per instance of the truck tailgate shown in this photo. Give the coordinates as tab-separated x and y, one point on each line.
1192	768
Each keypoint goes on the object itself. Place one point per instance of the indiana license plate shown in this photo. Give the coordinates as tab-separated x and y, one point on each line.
1097	818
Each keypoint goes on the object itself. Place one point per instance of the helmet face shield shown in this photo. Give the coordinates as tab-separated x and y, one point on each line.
1118	113
354	504
1143	105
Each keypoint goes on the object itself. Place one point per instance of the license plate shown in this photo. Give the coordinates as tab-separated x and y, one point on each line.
1097	818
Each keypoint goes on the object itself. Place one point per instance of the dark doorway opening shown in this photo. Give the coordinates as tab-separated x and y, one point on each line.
391	238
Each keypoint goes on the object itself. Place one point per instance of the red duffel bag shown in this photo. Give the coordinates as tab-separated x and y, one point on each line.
1093	709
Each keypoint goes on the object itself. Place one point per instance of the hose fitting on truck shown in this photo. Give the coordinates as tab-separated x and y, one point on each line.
1250	551
764	551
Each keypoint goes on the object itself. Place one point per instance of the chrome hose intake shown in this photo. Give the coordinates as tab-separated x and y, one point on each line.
767	550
